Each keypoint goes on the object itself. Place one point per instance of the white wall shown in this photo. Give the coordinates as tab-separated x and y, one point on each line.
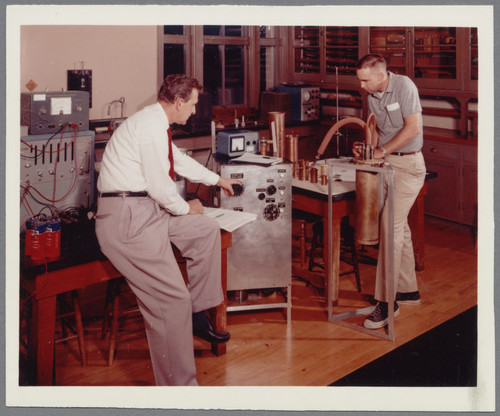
123	60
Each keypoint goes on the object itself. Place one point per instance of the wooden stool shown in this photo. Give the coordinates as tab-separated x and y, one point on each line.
72	310
348	253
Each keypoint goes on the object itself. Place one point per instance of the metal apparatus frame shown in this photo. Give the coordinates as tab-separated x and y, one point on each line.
385	171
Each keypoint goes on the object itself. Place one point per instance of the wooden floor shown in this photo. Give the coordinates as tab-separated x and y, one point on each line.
310	351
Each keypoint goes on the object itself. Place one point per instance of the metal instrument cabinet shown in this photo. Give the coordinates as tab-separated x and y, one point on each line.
260	256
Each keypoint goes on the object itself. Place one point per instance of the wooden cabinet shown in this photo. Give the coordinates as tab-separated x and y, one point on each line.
392	44
453	194
434	57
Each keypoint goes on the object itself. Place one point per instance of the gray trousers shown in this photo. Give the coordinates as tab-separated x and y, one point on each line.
135	234
409	176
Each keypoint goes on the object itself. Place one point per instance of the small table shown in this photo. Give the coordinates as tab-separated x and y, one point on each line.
81	264
313	198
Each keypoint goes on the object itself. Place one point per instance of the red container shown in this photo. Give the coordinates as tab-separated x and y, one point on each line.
27	236
53	239
38	241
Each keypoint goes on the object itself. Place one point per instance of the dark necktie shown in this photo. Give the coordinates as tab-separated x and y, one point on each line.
170	154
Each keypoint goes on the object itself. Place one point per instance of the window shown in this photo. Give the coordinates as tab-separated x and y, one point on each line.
222	58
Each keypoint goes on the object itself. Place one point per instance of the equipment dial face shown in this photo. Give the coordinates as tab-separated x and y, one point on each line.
307	95
271	189
271	212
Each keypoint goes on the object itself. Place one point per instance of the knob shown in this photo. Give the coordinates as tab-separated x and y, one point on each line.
271	189
237	189
271	212
262	195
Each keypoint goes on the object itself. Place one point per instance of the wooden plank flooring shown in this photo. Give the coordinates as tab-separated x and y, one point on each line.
310	351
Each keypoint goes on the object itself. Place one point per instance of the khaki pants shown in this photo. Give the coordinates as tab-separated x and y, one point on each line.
135	234
409	176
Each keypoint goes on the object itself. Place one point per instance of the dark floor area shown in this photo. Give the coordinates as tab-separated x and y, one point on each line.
446	356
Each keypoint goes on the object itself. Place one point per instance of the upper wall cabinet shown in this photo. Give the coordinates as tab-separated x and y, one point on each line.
434	57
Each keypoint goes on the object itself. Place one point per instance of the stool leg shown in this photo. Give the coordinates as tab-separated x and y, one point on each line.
79	327
114	324
302	243
355	265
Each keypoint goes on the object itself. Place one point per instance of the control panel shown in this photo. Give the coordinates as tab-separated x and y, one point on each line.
260	256
57	172
47	112
305	101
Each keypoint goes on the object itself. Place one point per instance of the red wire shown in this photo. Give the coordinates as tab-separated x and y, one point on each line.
75	128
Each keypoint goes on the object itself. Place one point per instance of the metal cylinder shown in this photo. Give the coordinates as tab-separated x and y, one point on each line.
263	147
278	118
366	222
313	174
303	171
292	147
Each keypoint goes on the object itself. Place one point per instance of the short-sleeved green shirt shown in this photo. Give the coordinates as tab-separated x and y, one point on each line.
398	101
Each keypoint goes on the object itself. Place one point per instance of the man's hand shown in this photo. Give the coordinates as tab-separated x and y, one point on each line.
226	184
195	207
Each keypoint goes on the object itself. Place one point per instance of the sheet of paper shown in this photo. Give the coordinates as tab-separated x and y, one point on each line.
257	159
230	220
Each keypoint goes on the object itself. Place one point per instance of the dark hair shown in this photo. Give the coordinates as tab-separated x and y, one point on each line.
177	86
370	60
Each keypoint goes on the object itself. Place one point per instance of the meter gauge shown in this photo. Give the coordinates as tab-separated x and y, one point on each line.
307	96
271	212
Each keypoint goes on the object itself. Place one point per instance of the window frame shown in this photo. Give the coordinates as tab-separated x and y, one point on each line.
194	42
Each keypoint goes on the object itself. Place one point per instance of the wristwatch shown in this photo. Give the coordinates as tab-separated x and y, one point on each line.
383	150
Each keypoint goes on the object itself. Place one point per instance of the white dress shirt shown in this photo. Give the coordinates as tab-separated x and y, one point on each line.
136	159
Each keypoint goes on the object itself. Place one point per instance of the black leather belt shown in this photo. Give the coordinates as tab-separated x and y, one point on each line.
405	154
123	194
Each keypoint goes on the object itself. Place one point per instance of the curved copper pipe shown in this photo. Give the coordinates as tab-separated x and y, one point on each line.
338	125
371	125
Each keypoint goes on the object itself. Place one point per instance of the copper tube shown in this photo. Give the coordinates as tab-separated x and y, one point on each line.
366	221
291	147
341	123
278	117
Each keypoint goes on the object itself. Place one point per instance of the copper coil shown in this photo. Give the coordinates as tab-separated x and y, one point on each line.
323	170
295	169
303	171
313	174
263	147
323	179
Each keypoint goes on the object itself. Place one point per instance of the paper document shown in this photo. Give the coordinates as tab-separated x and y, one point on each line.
257	159
230	220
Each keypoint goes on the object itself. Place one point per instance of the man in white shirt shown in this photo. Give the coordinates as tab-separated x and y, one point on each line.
140	213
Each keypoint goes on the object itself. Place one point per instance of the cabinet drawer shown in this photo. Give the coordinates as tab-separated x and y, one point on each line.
470	154
441	150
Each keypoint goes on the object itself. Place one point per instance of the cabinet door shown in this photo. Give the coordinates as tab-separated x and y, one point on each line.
470	204
306	53
391	43
442	199
341	50
435	59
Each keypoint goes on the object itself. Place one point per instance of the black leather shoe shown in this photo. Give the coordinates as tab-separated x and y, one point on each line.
202	328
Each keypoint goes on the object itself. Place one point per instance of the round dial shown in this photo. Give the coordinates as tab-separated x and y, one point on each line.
271	189
237	189
307	95
271	212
